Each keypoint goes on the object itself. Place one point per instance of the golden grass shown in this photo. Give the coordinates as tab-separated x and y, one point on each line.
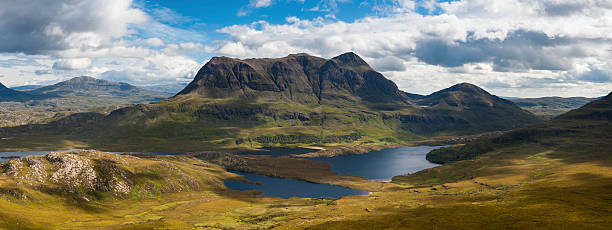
522	187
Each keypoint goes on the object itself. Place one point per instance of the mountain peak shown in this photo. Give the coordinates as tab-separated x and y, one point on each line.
350	59
83	78
298	77
467	87
464	95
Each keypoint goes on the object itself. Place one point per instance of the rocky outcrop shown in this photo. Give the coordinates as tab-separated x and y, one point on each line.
84	174
73	172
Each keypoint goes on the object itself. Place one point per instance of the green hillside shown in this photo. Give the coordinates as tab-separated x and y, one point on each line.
295	100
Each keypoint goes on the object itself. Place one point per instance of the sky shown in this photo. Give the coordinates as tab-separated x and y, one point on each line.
512	48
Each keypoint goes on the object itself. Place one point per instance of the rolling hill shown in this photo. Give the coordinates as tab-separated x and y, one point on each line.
295	100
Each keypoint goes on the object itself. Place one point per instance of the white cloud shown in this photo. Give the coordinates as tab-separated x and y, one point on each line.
511	47
64	24
519	42
154	42
151	70
93	37
260	3
72	64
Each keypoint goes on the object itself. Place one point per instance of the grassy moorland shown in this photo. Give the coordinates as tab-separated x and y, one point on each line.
552	175
559	181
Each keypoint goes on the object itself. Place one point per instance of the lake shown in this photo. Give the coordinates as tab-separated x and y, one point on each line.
375	165
286	188
383	164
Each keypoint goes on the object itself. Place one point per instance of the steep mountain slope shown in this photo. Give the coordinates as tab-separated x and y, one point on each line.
295	100
549	107
300	78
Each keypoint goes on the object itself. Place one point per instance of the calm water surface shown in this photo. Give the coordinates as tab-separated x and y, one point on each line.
286	188
383	164
375	165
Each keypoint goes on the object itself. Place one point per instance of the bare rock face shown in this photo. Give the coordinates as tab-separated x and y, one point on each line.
73	171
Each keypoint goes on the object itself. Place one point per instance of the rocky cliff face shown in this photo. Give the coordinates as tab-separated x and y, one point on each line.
299	77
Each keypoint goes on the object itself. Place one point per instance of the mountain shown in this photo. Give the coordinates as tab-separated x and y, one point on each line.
466	106
299	78
11	95
6	92
171	89
80	94
587	124
294	100
26	87
549	107
92	87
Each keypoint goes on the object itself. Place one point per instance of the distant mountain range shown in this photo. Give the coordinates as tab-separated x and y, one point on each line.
46	103
296	100
26	87
172	89
549	107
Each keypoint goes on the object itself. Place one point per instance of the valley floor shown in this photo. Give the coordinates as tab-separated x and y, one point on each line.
525	187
